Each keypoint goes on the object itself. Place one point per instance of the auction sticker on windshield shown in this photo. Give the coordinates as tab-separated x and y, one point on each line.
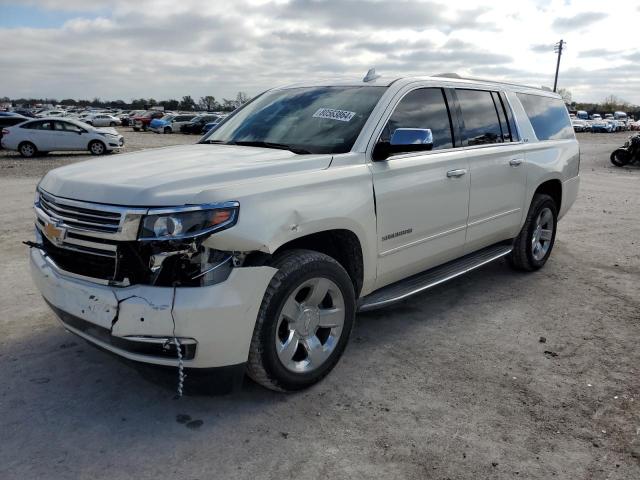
341	115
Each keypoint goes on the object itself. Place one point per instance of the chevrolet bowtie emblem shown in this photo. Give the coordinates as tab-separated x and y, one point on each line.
54	233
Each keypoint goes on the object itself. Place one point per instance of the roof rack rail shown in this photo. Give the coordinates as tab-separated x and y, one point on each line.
484	80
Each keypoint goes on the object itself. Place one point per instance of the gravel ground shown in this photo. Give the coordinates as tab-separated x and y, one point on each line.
13	165
454	383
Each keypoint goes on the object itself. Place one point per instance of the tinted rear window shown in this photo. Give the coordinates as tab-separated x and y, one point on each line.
548	116
481	122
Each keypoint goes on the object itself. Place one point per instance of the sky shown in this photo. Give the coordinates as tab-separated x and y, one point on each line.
123	49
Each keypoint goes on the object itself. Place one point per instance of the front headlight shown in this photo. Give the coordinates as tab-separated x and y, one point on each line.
188	222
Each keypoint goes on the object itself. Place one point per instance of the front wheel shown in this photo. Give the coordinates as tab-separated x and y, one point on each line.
532	247
112	124
620	157
304	321
167	129
96	147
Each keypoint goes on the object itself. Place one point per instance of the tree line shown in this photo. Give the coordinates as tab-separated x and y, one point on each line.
187	103
610	104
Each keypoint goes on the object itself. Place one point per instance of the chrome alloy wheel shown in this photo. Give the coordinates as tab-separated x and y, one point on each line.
97	148
542	235
310	325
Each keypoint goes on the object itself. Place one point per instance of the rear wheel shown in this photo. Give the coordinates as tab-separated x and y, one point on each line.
620	157
304	322
96	147
167	130
532	247
27	149
112	124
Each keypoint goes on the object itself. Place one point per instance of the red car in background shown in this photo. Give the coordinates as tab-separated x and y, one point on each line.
141	122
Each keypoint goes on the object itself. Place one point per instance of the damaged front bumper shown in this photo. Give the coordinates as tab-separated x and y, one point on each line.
213	324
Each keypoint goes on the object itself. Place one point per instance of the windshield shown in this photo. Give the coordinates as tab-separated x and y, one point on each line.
304	120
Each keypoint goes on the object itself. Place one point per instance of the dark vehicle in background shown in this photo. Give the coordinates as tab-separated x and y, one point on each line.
10	121
196	126
25	113
141	122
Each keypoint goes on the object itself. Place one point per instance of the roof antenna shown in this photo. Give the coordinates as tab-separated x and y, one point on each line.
371	75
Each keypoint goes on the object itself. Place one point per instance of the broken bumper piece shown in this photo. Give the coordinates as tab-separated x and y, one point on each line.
213	324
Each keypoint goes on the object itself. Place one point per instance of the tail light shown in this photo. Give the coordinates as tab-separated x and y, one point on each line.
5	131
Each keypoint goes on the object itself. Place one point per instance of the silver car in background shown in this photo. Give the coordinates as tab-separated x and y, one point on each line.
45	135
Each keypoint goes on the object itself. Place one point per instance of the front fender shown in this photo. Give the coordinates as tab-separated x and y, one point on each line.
287	208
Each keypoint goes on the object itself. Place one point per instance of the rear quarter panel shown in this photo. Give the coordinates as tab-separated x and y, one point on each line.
547	160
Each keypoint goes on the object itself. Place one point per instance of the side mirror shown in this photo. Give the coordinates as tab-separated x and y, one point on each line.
404	140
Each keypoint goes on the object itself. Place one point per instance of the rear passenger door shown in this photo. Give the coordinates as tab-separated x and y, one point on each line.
40	134
421	197
497	173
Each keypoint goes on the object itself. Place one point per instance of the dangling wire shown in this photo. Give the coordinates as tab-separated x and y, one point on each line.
181	375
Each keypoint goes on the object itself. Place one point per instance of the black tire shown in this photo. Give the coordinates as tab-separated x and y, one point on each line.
135	129
294	268
96	147
144	128
620	157
522	256
167	130
27	150
112	124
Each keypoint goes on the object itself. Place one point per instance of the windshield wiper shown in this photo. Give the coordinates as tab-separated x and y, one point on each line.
280	146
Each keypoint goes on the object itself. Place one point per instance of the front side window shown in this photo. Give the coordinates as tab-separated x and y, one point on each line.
304	119
548	116
481	122
422	108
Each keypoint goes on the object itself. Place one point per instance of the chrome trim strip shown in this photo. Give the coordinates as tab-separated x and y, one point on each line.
368	306
107	247
493	217
161	340
422	240
93	206
191	208
61	211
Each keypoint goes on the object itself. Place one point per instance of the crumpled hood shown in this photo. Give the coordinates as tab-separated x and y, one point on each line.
173	175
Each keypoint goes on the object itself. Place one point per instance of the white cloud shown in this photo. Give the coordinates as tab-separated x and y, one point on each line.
168	48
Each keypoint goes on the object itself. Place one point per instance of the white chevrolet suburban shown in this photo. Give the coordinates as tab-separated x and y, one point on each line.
252	250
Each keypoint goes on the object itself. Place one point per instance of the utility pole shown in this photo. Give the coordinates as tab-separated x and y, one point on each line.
557	48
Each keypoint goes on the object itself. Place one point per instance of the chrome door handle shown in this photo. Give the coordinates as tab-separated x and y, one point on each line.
456	173
514	162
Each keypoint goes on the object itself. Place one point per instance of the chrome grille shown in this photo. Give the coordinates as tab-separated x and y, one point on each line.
82	218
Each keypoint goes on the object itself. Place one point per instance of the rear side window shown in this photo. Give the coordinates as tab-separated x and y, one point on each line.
548	117
422	108
480	117
42	125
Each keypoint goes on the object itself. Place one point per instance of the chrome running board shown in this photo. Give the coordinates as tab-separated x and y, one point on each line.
430	278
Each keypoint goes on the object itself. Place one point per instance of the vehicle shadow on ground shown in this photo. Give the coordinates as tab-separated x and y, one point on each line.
62	353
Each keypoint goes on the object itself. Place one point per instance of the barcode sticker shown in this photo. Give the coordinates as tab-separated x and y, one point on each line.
340	115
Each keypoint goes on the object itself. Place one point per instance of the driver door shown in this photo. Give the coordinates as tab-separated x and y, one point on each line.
422	198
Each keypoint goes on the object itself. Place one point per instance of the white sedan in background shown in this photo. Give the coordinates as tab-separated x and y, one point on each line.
44	135
103	120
